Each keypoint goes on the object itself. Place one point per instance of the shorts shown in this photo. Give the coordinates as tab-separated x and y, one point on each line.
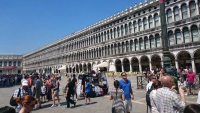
37	94
87	94
56	91
128	105
190	84
42	94
75	91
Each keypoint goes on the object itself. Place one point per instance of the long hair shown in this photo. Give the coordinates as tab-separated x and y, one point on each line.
116	85
25	99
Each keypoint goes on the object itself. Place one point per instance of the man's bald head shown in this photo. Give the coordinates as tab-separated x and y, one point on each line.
167	81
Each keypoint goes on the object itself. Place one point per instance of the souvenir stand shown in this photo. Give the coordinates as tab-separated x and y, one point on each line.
96	88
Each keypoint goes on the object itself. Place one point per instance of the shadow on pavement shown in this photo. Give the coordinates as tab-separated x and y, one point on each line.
63	104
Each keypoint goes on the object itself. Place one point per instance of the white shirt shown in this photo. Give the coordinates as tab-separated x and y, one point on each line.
198	99
43	89
149	85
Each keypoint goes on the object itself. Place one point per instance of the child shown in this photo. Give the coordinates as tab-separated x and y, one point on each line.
87	91
43	92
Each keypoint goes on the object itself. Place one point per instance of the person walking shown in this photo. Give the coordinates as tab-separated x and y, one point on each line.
191	79
49	86
27	102
156	84
168	101
125	85
87	92
38	90
117	95
56	92
69	92
74	81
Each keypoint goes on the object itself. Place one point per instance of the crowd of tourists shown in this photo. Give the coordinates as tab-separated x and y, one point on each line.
162	95
10	80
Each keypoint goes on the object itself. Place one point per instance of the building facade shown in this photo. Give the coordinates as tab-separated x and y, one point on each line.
10	64
127	41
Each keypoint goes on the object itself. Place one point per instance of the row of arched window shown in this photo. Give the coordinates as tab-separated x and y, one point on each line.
184	36
183	12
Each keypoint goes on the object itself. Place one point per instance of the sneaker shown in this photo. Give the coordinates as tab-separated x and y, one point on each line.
76	100
186	94
58	105
53	105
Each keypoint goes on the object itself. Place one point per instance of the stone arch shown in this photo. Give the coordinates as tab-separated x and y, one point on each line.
126	65
156	61
173	58
144	62
135	64
80	67
184	59
89	66
118	65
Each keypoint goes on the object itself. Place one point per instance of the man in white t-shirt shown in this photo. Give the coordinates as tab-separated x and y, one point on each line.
198	99
153	78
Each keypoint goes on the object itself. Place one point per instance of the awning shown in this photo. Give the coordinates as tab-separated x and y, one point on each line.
9	67
62	68
103	64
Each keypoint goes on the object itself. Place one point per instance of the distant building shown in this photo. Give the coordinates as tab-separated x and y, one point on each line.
10	64
126	41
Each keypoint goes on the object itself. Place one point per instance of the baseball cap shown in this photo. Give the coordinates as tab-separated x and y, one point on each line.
24	83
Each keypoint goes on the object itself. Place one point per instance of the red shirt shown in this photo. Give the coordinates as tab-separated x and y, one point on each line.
191	77
29	82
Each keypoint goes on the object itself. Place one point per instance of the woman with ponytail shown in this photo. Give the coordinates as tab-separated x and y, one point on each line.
118	97
27	102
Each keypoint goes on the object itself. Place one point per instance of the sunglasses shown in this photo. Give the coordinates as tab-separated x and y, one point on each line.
153	78
123	75
32	105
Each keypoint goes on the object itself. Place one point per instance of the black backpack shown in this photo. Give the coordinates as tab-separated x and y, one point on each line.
148	100
12	101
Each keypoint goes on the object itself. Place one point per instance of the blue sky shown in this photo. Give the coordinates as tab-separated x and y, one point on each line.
26	25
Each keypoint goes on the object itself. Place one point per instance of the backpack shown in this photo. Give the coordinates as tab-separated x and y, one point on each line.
12	101
148	100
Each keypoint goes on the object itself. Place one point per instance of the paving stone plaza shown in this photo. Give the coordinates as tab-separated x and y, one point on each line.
99	104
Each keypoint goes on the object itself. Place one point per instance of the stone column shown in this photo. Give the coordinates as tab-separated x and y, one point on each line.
147	22
188	9
190	34
197	7
176	64
131	70
182	37
150	65
68	70
180	14
149	43
193	65
122	67
173	20
140	67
